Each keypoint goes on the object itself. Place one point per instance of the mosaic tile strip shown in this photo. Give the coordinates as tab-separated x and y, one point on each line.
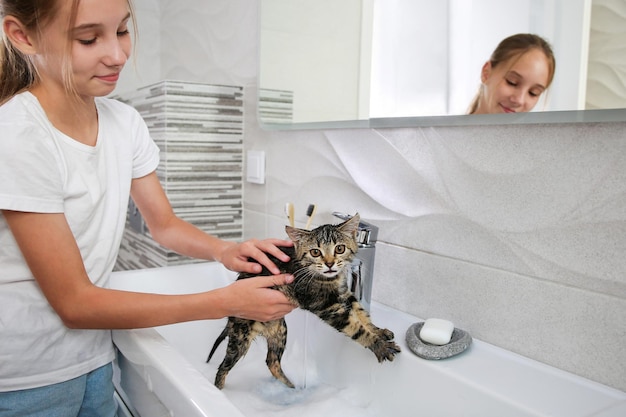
199	129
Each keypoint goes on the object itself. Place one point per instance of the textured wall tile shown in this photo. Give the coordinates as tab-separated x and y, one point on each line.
561	325
551	204
211	42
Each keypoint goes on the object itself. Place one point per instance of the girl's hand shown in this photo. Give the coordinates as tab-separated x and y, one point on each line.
235	255
254	299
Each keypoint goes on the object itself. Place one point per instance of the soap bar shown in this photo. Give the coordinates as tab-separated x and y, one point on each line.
437	331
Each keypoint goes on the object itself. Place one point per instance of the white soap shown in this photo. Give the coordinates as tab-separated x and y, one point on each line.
437	331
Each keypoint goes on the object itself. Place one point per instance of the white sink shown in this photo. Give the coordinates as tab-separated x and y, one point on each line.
163	370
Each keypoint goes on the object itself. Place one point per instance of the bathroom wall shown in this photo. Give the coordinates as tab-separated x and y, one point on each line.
516	233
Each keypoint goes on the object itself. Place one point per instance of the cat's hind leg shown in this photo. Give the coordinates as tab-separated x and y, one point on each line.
240	337
276	335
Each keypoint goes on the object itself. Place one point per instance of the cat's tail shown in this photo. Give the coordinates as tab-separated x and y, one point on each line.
218	341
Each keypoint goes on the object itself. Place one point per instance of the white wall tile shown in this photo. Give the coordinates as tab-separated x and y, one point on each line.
565	326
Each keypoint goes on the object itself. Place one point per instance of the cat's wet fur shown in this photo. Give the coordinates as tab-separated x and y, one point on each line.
320	262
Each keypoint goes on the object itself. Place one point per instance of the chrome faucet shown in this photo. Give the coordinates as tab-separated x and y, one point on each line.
361	277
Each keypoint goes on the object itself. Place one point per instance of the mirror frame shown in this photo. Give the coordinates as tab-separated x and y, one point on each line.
548	117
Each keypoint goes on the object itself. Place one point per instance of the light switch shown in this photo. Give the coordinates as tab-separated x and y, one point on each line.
256	167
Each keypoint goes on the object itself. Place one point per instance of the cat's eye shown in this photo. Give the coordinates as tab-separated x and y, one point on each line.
339	249
315	253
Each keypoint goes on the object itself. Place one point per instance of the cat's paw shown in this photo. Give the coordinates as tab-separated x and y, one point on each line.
385	348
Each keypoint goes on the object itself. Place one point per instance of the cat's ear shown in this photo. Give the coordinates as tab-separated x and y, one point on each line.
296	234
351	226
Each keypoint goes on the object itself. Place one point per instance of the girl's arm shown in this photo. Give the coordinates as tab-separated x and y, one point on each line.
186	239
53	257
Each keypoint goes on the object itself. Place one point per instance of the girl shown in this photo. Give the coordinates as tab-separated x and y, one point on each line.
520	69
68	160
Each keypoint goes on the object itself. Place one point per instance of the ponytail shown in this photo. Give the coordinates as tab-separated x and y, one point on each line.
474	104
16	71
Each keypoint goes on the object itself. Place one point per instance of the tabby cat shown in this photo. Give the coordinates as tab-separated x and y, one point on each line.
320	262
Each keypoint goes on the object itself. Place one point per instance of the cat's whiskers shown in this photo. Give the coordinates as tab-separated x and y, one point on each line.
306	279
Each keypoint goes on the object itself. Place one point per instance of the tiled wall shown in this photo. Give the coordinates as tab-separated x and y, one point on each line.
514	232
199	130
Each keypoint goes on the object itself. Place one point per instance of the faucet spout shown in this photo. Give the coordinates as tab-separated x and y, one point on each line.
361	277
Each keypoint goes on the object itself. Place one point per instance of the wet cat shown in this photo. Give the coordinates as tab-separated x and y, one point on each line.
320	262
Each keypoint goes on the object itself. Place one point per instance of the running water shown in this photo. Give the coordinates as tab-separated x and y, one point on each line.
251	387
255	392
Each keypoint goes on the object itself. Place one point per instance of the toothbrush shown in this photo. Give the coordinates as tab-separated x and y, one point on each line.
289	211
310	212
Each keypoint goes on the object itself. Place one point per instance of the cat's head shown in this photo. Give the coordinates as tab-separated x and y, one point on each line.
328	249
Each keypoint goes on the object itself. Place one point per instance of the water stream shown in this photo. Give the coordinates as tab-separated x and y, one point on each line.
252	388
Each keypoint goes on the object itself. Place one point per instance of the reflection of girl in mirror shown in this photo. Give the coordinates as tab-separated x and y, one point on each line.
518	72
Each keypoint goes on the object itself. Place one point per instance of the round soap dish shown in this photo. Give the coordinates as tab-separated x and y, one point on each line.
459	341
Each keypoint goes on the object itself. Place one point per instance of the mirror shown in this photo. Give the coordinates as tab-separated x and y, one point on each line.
358	60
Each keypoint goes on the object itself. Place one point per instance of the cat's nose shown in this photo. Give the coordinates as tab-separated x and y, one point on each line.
330	265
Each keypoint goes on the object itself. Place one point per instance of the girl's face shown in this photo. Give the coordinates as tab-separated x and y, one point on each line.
515	85
100	42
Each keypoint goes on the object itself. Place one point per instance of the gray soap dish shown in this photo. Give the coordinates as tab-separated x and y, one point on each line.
459	341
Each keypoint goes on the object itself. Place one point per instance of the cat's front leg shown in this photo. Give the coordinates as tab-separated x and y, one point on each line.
362	330
348	316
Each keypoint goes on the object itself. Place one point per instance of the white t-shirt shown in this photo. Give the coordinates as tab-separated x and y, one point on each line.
43	170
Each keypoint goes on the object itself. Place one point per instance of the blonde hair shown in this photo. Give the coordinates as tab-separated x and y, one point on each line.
17	71
515	46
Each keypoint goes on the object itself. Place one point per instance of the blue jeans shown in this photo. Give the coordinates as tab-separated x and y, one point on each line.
89	395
